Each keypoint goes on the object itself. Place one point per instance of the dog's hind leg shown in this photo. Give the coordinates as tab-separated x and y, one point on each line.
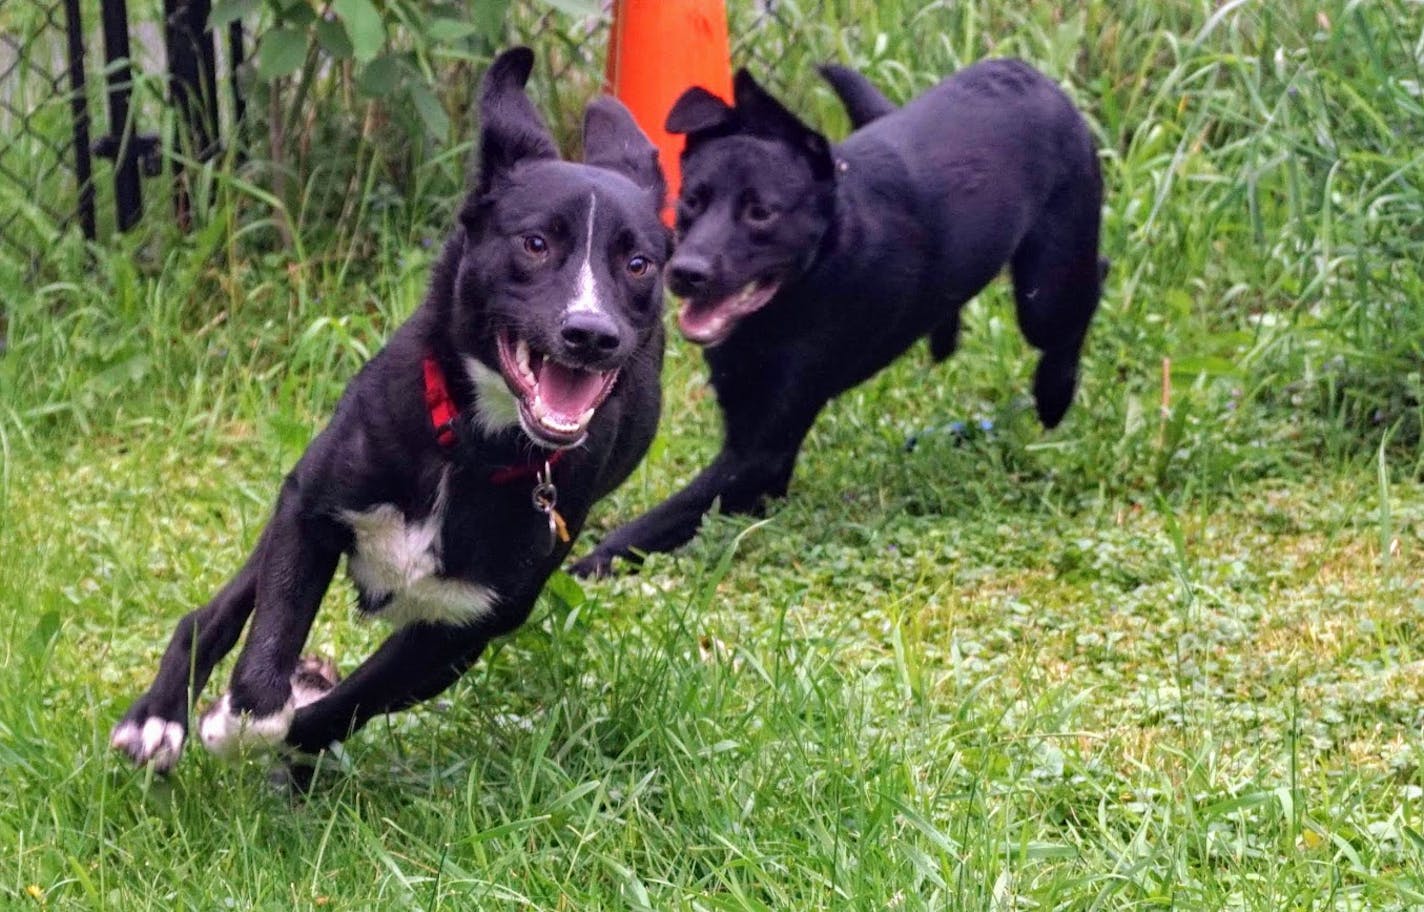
1057	283
154	728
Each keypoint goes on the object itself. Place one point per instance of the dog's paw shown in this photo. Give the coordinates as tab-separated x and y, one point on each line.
227	733
596	565
149	740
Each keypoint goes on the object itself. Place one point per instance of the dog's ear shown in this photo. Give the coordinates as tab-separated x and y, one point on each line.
511	130
763	115
612	140
698	111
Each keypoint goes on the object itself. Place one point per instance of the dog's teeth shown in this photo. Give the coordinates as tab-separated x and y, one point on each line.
560	423
521	354
554	421
521	357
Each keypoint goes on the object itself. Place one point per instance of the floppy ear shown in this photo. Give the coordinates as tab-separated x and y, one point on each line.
511	130
765	116
698	110
612	140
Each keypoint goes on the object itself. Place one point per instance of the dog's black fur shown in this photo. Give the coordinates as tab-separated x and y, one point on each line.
442	537
808	268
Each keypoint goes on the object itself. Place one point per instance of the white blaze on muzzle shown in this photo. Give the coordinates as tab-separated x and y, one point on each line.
587	296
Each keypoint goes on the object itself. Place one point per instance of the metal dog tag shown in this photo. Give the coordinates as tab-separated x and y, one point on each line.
545	498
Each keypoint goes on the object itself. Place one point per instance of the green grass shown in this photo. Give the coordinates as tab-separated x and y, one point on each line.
1167	656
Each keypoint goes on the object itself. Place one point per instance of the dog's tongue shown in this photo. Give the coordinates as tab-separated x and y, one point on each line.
709	322
568	391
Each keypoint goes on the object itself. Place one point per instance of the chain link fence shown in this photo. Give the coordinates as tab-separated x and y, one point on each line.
43	120
79	82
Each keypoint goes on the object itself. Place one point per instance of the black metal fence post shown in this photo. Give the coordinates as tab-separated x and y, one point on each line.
79	107
119	144
236	54
192	86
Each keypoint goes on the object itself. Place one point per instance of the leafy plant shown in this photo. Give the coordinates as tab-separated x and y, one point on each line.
348	85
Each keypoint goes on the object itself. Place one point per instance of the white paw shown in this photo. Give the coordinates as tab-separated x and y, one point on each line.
227	734
156	743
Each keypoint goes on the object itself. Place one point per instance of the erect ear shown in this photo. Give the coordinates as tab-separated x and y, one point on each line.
612	140
511	130
698	110
765	116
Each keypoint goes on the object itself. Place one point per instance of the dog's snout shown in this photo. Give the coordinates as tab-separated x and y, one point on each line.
589	335
688	275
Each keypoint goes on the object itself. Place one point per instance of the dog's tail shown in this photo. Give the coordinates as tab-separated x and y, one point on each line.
862	100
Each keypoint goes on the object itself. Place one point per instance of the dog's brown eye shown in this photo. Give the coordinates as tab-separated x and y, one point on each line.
534	245
639	266
758	214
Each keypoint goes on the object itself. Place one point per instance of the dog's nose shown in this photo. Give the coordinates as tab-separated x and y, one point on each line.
688	275
589	335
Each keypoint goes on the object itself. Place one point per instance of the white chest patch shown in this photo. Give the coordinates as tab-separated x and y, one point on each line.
401	559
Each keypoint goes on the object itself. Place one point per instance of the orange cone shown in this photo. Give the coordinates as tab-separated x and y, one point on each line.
658	49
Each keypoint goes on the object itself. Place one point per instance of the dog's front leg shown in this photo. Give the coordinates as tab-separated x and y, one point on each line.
296	566
154	728
758	456
416	663
740	480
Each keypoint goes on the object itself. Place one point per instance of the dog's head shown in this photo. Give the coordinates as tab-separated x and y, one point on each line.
758	189
559	283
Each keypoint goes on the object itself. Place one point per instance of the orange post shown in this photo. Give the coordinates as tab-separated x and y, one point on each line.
657	50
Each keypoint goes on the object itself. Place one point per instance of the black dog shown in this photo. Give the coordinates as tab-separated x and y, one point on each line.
463	458
806	269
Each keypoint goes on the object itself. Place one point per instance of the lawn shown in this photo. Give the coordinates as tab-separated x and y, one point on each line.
1168	656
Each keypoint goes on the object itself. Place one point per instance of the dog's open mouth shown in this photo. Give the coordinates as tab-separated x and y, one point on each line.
556	401
710	322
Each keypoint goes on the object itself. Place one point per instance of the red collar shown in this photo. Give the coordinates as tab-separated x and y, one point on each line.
443	413
527	470
439	404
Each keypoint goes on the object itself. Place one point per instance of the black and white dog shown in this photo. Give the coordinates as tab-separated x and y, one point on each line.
807	268
463	458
